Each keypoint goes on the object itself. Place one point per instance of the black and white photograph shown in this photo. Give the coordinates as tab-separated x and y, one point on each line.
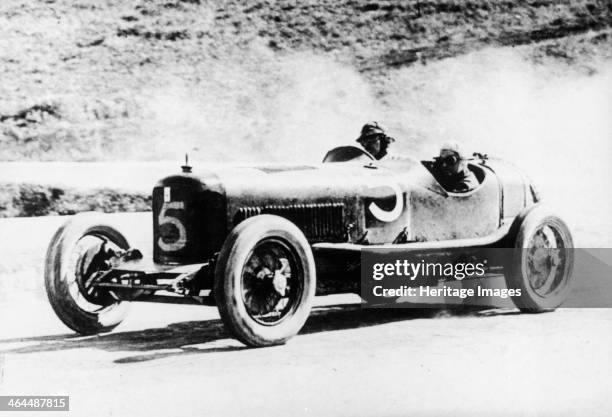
306	208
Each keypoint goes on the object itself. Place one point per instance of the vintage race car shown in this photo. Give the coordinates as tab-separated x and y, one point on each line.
258	241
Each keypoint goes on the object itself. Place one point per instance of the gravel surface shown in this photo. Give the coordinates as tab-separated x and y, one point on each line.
178	360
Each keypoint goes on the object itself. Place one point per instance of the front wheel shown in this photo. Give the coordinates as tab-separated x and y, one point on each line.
543	260
80	250
265	281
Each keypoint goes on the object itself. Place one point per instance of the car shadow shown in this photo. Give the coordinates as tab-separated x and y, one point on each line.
191	337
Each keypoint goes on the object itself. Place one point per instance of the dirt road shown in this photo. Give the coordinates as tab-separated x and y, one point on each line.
178	360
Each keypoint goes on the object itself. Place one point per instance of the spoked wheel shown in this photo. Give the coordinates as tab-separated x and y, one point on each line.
271	285
80	251
265	281
543	261
92	256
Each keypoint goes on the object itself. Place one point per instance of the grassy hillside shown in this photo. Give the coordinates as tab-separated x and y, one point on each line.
99	80
30	200
251	80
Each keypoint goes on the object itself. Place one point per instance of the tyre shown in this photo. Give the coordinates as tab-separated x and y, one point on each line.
542	262
265	281
81	249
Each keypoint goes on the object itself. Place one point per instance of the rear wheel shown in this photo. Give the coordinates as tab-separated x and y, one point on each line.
542	262
79	251
265	281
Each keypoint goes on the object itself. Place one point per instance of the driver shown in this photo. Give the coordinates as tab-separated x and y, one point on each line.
451	170
374	140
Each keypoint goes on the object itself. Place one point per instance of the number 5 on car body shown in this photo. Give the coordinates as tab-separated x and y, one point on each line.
164	218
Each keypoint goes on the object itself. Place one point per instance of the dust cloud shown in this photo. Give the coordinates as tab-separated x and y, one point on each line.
260	109
552	120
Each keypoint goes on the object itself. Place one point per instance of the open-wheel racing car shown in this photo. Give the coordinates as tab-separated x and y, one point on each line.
258	242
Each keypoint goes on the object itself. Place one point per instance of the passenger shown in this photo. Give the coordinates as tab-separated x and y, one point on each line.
451	170
374	140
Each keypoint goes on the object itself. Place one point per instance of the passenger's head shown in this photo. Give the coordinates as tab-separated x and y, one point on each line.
374	139
451	159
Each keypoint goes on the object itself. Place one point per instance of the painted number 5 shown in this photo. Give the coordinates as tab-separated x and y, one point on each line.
163	218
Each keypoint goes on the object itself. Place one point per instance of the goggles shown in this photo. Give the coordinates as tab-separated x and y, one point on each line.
448	160
373	138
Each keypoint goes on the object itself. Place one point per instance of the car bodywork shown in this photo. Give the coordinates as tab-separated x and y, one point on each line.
340	207
370	203
259	242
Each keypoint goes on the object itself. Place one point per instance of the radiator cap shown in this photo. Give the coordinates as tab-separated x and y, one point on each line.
186	168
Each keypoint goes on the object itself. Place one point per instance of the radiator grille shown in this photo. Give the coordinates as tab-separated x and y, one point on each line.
318	221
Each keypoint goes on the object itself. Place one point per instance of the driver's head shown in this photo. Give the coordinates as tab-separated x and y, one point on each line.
451	159
374	140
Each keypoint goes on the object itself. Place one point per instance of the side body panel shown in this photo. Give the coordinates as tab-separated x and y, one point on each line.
515	189
374	198
439	215
338	202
